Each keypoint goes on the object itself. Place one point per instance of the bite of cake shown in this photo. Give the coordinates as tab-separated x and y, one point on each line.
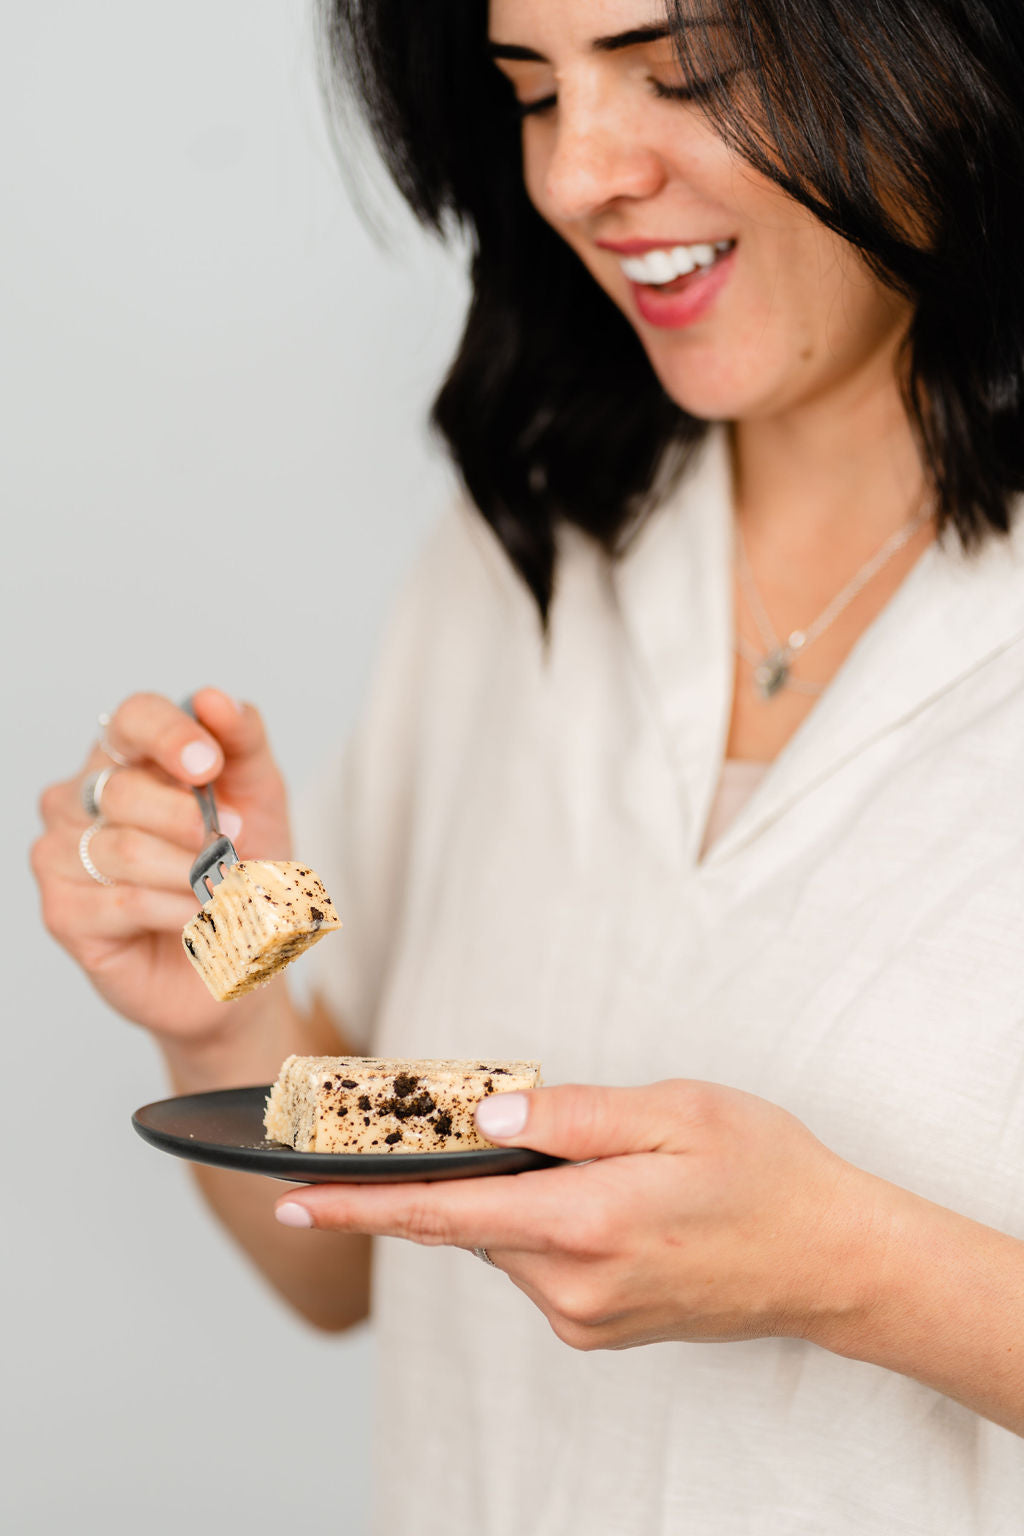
261	916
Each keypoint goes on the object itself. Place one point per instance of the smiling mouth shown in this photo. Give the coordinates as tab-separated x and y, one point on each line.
666	270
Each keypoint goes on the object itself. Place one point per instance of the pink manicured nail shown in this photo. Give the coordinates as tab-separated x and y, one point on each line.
198	758
292	1215
502	1114
230	823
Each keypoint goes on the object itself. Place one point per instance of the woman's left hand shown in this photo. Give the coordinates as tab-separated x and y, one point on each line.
699	1212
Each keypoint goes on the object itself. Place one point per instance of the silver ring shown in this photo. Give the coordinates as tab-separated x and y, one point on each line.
103	721
83	853
482	1253
92	790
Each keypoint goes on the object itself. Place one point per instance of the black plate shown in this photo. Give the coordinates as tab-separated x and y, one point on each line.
226	1128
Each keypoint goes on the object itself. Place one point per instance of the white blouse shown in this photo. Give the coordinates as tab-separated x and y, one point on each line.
514	848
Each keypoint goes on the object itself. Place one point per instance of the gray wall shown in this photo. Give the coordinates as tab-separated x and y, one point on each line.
212	384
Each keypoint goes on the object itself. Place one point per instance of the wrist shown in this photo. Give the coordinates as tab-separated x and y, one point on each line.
859	1279
938	1297
246	1048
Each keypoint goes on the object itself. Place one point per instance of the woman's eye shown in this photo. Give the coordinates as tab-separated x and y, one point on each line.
694	90
531	108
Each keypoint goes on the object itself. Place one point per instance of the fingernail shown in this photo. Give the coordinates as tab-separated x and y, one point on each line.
230	823
502	1114
233	701
291	1215
198	758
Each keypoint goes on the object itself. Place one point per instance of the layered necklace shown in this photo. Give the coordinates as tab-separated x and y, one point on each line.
773	666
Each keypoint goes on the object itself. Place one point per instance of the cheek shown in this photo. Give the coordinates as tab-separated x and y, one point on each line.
835	301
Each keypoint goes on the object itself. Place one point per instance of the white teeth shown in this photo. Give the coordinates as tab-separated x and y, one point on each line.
660	265
664	266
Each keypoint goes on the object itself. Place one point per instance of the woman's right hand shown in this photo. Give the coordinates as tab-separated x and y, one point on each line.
127	936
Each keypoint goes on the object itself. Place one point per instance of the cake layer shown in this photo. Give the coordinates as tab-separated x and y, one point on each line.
261	916
372	1104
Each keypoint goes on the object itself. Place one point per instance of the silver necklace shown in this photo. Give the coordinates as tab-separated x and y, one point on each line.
773	666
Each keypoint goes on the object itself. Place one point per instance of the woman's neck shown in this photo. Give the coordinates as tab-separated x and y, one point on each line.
818	494
842	470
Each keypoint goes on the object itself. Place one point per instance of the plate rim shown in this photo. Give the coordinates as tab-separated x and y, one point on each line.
273	1160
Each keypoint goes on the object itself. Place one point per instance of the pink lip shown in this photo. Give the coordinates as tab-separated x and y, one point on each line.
641	247
673	311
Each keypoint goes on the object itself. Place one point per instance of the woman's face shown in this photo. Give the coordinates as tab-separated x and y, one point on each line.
746	305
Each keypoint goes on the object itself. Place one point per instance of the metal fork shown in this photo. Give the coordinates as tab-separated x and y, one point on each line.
218	853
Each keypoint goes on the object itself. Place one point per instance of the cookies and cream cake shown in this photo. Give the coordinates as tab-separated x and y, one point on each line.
262	915
373	1104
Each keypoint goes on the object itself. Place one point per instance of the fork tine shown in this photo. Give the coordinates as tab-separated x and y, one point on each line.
217	856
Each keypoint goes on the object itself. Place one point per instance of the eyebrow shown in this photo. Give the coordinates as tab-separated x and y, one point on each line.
634	38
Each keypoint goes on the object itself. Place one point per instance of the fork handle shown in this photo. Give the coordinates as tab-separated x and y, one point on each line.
204	792
208	806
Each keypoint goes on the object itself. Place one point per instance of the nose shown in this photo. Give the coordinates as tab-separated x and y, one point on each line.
597	157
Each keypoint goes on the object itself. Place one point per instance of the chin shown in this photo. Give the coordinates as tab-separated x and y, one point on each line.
710	393
703	400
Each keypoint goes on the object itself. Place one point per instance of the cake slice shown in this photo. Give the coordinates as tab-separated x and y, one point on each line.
373	1104
261	916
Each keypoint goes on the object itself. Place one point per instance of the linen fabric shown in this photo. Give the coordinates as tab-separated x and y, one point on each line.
513	844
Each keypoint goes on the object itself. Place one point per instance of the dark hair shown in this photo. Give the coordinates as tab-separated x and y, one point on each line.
899	125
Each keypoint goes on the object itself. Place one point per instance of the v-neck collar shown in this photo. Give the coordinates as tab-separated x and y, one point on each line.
952	613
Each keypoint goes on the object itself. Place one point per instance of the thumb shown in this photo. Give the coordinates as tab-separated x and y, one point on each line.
579	1121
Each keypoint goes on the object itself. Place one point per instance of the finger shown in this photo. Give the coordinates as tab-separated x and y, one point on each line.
580	1121
520	1211
144	798
573	1297
127	856
149	727
63	802
134	798
85	919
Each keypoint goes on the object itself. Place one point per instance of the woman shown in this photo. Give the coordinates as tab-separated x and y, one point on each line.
731	837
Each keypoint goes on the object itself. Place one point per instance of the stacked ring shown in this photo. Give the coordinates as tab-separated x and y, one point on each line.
92	791
482	1253
83	853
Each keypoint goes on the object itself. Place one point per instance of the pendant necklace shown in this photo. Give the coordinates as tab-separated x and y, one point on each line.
773	666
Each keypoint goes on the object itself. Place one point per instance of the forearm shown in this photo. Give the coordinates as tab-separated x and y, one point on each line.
325	1276
943	1303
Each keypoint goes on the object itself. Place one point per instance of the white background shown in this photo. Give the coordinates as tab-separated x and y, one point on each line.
212	391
